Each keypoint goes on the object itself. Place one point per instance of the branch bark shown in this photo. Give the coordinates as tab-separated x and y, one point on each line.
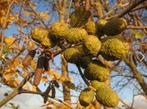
138	76
137	27
82	75
138	2
4	27
16	91
66	90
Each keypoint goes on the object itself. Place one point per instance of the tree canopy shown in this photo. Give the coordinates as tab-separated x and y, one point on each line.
94	48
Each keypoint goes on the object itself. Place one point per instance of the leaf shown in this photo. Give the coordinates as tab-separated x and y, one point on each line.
26	86
31	44
18	81
53	74
11	82
138	34
16	62
8	73
63	78
44	79
44	15
34	88
9	40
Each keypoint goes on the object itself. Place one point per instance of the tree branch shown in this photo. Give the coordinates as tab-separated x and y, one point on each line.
138	76
82	75
16	91
42	94
4	27
136	27
138	2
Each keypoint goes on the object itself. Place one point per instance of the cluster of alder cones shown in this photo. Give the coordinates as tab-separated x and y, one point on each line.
86	44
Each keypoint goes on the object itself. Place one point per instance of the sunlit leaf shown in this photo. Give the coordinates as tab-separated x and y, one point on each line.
44	79
9	40
44	15
34	88
26	86
11	83
138	34
54	75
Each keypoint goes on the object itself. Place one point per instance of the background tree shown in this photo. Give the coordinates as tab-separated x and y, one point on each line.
104	39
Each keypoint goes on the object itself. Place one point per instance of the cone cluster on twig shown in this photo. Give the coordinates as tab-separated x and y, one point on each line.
86	45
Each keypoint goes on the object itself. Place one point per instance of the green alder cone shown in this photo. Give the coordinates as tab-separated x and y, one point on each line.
90	27
74	54
38	33
58	30
97	84
86	97
92	45
115	48
97	71
99	27
107	97
75	35
48	42
42	36
115	26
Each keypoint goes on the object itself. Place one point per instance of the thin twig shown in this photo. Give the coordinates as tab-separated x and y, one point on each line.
138	8
16	91
138	2
40	19
138	76
82	75
4	27
42	94
70	4
136	27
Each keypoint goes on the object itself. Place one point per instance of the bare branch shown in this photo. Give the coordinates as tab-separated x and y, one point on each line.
138	2
82	75
16	91
4	27
137	74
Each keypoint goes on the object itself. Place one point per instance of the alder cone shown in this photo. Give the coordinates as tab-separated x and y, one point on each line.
38	33
97	71
48	42
86	97
74	54
100	27
92	45
107	97
42	36
97	84
90	27
115	26
58	30
115	48
75	35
